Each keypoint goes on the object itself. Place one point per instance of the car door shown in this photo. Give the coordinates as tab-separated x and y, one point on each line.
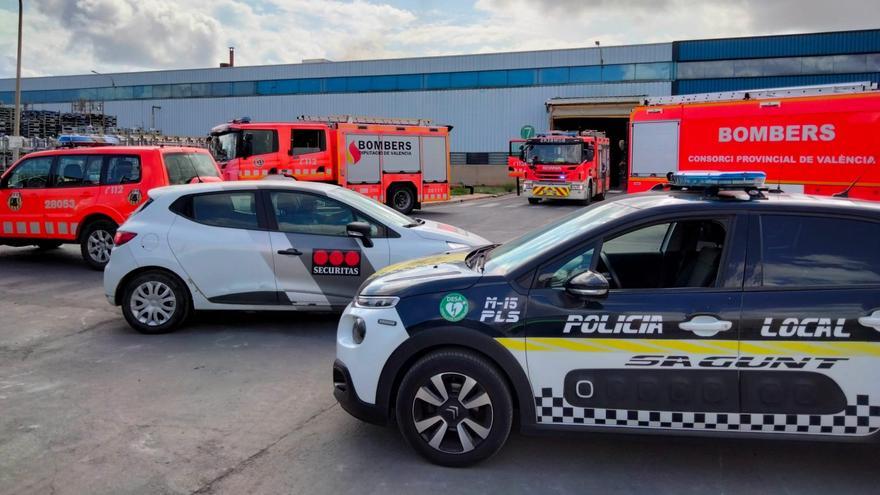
811	324
260	148
75	189
658	349
22	211
316	263
222	244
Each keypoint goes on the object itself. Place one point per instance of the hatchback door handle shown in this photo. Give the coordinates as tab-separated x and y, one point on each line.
872	320
290	252
705	326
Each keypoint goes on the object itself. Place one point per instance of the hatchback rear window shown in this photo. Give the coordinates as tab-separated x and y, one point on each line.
819	251
184	167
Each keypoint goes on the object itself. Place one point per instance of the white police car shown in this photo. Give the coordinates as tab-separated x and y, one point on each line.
715	310
258	245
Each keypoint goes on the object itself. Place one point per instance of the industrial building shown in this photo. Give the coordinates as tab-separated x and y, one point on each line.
487	98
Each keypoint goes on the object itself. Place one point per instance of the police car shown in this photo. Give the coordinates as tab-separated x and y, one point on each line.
713	307
252	245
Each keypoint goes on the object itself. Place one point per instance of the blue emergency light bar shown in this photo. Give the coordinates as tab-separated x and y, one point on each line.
87	140
719	179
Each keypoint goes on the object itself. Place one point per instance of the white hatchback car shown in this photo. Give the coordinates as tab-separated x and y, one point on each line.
253	245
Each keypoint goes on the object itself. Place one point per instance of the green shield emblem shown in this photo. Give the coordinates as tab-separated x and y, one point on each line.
453	307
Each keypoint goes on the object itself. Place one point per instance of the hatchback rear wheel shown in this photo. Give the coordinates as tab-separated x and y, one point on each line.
454	408
155	302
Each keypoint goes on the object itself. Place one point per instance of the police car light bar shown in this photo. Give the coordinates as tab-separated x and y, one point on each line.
718	179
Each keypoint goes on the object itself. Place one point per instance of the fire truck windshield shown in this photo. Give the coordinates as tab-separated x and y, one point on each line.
224	146
553	153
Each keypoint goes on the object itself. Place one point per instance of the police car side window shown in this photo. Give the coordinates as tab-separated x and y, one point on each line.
123	170
301	213
555	276
819	251
30	174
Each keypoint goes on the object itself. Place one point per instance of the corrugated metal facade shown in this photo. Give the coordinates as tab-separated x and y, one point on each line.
779	46
693	86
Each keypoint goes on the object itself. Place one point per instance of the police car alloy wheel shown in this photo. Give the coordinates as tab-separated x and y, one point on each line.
97	242
155	302
454	408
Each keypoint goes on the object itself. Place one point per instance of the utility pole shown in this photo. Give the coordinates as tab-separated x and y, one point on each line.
16	128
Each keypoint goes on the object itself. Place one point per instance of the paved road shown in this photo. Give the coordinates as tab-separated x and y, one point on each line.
242	404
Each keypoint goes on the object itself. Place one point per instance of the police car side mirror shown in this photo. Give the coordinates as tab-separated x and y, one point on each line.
587	284
361	230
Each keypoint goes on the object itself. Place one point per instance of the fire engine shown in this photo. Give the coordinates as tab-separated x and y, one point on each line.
400	162
564	165
813	140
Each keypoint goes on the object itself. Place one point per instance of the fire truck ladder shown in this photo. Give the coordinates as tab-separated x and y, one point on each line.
354	119
760	94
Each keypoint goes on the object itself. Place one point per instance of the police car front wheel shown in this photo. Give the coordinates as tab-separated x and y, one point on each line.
454	407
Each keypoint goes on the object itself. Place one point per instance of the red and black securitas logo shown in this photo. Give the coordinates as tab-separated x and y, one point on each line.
336	262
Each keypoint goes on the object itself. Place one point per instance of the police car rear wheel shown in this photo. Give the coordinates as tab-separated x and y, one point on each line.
97	242
454	408
154	303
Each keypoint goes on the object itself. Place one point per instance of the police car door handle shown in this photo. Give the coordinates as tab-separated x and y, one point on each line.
705	326
872	320
290	252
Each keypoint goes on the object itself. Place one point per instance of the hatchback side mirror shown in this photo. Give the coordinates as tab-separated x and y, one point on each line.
587	284
361	230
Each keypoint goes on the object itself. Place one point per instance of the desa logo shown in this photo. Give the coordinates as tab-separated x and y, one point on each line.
354	154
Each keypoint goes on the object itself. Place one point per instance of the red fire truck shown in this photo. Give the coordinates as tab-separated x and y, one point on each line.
563	165
815	140
400	162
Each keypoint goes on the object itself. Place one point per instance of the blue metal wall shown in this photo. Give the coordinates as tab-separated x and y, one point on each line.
691	86
778	46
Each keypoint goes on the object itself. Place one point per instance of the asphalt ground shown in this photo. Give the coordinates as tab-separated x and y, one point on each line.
242	403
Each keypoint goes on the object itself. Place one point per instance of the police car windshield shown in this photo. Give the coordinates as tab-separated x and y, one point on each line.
524	249
371	208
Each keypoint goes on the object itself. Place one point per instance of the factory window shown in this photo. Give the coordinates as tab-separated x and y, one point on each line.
243	88
463	80
123	93
140	92
521	77
309	85
104	94
161	91
200	89
358	84
492	78
336	85
658	71
409	81
383	83
621	72
437	81
556	75
221	89
181	91
279	87
585	74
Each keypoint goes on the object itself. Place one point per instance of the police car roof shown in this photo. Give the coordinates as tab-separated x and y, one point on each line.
771	201
240	185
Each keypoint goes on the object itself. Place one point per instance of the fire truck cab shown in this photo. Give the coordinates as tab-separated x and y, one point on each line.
400	162
565	165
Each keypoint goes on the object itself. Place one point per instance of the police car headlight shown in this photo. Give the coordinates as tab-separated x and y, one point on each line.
455	245
376	301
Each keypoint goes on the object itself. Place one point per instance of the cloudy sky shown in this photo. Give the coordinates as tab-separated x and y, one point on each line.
76	36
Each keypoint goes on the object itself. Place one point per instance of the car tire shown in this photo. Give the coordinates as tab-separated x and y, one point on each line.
155	302
589	199
447	431
48	245
534	201
96	242
402	199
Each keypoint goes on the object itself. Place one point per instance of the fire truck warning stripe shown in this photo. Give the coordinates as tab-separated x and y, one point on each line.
709	346
7	227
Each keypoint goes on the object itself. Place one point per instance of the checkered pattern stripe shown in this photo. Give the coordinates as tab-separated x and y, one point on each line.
860	418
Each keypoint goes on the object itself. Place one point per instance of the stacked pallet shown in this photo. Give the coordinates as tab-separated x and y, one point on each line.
45	123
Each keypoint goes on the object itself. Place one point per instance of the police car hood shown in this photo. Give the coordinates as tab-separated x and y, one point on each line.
441	272
443	232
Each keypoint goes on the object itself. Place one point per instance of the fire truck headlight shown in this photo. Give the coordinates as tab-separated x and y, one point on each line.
527	184
577	187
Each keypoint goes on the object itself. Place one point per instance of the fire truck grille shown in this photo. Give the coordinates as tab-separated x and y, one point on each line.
551	176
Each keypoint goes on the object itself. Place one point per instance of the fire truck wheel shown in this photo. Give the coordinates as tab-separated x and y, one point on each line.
589	198
454	408
47	245
96	242
402	199
155	302
534	201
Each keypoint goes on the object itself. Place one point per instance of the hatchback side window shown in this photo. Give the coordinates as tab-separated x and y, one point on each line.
236	210
30	174
123	170
819	251
685	253
302	213
305	141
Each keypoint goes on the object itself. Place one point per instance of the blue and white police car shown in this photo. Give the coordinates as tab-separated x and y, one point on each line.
711	307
